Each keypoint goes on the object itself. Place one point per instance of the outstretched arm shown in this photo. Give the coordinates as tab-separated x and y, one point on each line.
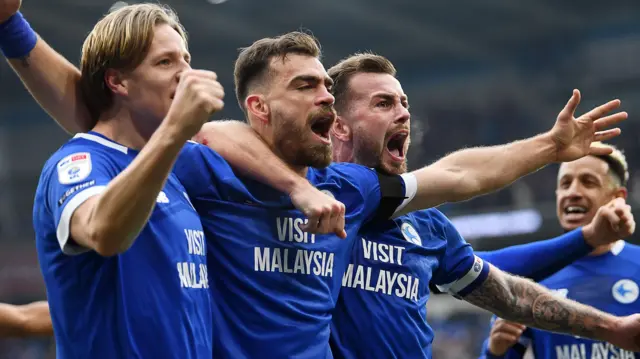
540	259
25	320
520	300
476	171
536	261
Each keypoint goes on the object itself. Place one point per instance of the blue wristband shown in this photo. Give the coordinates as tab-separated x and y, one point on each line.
17	39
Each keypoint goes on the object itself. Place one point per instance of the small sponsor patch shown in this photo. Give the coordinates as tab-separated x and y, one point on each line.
74	168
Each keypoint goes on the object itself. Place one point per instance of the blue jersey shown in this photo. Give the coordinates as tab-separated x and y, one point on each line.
151	301
274	286
608	282
381	311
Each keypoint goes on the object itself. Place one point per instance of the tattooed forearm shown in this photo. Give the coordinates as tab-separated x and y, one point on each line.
521	300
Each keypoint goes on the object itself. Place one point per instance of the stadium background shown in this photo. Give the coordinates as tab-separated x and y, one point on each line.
476	72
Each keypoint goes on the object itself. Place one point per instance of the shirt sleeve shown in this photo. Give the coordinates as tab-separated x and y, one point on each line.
199	169
383	194
460	271
78	176
540	259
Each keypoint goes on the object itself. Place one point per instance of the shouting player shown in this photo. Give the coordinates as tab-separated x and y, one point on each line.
275	283
394	262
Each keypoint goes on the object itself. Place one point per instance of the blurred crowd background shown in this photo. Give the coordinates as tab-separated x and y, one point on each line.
476	73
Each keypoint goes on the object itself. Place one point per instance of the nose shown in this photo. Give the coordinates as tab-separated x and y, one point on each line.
183	66
403	115
574	192
325	98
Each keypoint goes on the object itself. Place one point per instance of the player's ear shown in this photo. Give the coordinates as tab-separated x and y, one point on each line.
114	80
341	130
258	108
622	193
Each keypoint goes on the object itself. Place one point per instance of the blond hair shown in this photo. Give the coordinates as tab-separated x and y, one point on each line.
618	167
120	41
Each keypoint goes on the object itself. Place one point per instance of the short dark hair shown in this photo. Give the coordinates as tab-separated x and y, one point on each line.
343	71
252	66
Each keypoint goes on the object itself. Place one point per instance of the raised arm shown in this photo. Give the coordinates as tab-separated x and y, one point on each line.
50	78
476	171
25	320
109	221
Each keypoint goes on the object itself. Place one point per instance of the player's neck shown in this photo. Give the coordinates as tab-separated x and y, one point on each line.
602	249
342	151
119	126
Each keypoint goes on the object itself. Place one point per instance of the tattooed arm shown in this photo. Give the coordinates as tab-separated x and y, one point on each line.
523	301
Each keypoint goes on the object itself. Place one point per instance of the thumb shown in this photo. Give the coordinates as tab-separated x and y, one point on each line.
569	109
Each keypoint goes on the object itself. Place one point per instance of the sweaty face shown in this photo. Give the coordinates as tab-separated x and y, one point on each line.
301	109
583	186
378	112
151	86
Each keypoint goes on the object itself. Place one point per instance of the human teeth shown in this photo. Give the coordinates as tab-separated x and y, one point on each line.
576	209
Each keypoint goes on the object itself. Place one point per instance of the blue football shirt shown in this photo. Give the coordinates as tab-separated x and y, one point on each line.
151	301
275	286
608	282
381	311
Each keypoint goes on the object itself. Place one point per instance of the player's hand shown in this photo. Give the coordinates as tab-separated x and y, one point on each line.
573	137
8	8
626	333
197	97
324	213
612	222
504	335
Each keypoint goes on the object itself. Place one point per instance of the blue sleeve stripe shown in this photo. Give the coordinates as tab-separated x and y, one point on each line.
475	276
62	231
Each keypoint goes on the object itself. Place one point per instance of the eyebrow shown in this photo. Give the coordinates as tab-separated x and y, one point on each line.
312	79
389	97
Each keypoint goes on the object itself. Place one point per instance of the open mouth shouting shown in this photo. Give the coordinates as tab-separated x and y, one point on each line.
396	145
321	125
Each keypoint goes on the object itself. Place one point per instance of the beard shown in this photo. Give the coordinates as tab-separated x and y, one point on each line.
368	152
293	141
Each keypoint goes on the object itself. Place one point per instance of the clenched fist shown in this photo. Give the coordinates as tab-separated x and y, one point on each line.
197	97
612	222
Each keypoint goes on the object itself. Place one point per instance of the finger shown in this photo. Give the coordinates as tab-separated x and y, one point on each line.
515	330
313	217
612	218
607	135
202	74
335	218
610	120
509	339
510	327
340	230
571	106
594	150
601	110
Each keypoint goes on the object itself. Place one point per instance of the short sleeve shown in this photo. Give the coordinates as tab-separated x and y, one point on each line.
199	169
383	194
460	271
75	178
